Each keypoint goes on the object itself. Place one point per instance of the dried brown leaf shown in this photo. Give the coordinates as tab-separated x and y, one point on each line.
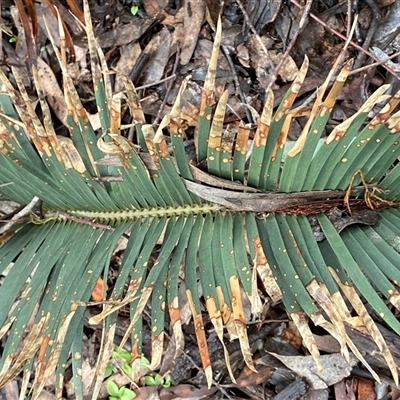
159	50
289	70
129	54
52	90
192	21
123	34
334	368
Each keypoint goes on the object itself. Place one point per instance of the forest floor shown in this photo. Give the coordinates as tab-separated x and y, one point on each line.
158	43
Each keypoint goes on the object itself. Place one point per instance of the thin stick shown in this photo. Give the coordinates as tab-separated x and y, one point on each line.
237	82
375	64
25	211
371	31
348	15
173	76
292	42
251	26
169	87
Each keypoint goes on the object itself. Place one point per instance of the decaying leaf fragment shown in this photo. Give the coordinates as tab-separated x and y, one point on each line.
334	368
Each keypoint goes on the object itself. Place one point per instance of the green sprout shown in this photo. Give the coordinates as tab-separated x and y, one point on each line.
134	10
157	380
119	393
123	358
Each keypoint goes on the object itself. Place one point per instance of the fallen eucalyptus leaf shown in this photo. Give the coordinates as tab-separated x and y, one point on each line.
335	368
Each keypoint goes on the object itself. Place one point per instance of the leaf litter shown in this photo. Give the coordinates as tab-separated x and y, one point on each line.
145	47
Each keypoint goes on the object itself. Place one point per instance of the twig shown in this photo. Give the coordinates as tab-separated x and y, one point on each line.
173	76
303	20
132	126
237	83
349	8
268	321
306	102
25	211
375	64
251	26
169	87
374	25
275	69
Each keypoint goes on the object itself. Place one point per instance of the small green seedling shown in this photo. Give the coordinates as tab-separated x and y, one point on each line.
134	10
119	393
123	359
157	380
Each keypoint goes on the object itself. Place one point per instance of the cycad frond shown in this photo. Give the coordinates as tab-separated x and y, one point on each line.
223	238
